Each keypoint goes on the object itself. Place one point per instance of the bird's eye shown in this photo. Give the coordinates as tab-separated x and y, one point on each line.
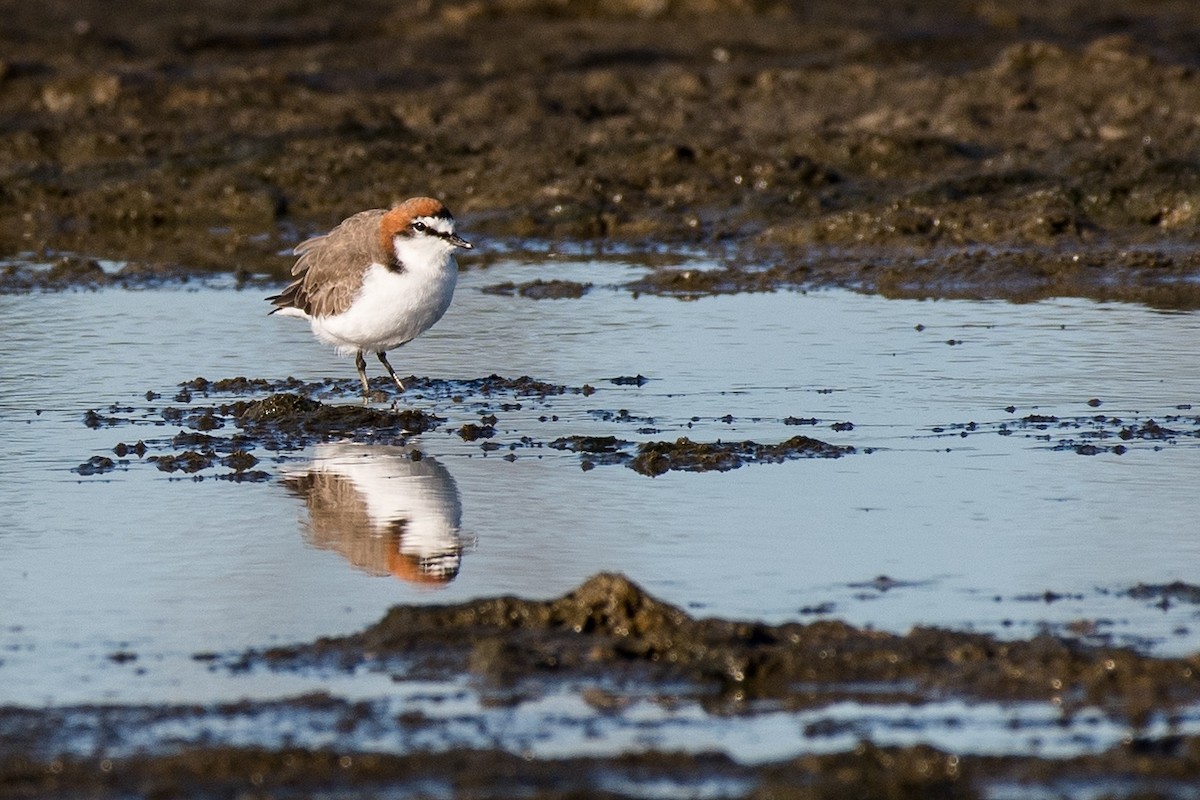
419	226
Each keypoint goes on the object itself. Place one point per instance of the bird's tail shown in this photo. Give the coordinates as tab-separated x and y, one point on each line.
291	297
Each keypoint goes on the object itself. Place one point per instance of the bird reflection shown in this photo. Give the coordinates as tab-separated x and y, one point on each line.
386	511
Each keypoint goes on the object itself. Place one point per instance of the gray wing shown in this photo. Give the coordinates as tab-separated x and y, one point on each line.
329	270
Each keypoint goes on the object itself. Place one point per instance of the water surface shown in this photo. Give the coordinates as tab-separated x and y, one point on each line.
972	525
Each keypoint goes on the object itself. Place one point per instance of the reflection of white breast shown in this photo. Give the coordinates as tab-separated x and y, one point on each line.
394	487
382	510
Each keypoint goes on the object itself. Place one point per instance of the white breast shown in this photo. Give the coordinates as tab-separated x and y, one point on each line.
392	307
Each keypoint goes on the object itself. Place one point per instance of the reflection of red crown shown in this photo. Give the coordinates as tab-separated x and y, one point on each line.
408	568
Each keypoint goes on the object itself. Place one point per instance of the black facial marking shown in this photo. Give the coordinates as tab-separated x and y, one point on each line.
417	226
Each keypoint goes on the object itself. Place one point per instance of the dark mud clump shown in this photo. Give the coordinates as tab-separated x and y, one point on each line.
609	626
94	419
521	386
594	450
291	417
541	289
658	458
96	465
1165	593
188	461
279	408
193	461
692	283
471	432
67	272
242	386
239	461
122	449
280	421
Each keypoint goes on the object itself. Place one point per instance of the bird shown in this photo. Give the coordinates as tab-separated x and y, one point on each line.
379	279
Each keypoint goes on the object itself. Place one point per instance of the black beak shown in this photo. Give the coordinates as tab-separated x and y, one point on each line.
458	241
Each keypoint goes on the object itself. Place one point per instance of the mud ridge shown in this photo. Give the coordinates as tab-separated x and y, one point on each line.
609	626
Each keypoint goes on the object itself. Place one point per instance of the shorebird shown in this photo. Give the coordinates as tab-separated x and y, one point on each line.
379	279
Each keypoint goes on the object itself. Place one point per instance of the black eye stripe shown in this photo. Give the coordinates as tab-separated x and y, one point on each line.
422	227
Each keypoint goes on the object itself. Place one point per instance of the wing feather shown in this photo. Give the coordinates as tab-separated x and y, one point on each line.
329	268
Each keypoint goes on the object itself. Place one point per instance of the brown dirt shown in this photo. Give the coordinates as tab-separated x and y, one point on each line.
955	147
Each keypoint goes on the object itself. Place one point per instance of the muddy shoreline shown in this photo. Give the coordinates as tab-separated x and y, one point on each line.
611	642
609	633
868	771
1012	150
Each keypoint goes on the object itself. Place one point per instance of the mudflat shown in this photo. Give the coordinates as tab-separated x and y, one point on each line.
964	148
955	148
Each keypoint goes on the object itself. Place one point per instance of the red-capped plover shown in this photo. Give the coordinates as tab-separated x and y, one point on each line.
379	279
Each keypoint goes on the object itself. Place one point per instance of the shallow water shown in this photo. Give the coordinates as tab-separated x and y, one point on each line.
971	526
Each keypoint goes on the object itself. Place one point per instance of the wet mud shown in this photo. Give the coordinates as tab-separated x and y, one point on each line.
658	458
541	289
610	627
1011	150
290	415
611	641
915	773
955	148
76	272
226	427
1089	435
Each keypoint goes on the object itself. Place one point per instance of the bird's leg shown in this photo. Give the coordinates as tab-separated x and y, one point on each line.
383	358
361	364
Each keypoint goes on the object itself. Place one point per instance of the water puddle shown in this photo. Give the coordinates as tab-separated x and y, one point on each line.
1013	467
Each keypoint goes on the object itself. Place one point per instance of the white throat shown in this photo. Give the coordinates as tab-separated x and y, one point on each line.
421	253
